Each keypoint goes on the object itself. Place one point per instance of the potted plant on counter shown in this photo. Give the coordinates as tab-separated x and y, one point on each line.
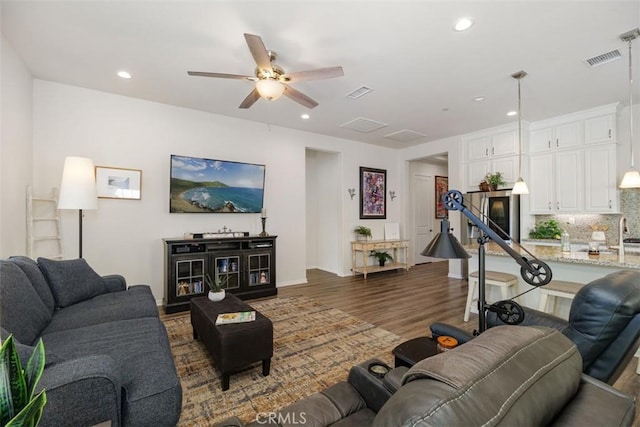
494	180
382	257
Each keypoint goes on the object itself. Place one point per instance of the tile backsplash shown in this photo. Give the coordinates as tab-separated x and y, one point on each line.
580	230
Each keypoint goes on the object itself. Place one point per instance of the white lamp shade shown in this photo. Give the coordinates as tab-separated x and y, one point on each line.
78	185
270	89
520	187
631	179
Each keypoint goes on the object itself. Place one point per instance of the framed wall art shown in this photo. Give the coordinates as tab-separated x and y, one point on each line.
442	186
118	183
373	190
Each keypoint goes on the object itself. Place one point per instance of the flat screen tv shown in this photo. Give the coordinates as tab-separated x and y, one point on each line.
215	186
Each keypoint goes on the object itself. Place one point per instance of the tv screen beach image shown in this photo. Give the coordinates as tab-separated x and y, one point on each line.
201	185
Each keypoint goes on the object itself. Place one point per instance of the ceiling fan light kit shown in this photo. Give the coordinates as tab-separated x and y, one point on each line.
270	79
270	89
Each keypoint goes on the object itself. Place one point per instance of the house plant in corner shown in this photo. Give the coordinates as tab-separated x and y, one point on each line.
362	232
382	257
18	405
216	290
494	180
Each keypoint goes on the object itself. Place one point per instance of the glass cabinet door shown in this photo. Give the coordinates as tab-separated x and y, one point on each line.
259	269
227	269
189	277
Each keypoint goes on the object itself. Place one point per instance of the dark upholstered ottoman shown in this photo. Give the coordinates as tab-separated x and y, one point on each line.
236	345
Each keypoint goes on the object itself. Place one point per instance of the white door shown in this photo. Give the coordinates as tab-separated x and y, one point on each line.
424	215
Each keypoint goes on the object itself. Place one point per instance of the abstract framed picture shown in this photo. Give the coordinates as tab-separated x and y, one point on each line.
373	190
442	186
118	183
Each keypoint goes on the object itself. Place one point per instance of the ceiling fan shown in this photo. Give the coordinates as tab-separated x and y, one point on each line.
270	79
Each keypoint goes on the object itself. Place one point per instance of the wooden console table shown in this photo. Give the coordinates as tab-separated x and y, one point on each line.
366	246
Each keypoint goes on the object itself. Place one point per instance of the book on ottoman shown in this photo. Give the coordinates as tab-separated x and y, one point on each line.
238	317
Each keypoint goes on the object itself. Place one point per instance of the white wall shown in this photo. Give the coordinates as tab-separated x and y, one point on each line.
15	150
124	236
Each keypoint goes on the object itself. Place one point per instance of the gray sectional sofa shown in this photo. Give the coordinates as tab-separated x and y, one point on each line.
107	352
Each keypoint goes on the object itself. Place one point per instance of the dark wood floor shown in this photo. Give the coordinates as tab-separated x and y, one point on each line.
406	303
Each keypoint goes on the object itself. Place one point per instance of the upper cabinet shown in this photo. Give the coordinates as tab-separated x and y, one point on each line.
491	150
485	145
600	129
562	136
572	156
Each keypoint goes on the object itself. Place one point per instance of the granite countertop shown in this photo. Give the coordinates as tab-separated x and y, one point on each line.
553	253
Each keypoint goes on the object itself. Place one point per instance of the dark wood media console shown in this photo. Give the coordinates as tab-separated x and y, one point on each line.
246	264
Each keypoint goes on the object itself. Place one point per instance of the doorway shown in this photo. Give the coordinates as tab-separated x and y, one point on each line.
322	206
423	210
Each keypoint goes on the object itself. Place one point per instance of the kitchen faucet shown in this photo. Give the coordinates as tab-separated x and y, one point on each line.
622	228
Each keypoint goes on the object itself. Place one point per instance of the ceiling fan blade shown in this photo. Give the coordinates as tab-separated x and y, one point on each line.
317	74
220	75
258	51
299	97
250	99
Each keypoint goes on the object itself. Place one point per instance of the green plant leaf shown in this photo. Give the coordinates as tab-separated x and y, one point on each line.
35	367
30	414
13	387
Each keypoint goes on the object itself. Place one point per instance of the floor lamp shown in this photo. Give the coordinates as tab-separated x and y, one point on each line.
78	188
445	245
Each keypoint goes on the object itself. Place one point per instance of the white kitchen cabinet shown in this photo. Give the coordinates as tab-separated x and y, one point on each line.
559	137
541	179
601	193
489	145
556	182
476	171
600	129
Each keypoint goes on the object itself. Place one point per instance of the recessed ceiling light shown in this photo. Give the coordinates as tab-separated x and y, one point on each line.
463	24
305	116
479	98
124	74
512	113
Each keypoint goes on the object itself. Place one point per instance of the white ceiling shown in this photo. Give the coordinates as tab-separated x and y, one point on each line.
424	75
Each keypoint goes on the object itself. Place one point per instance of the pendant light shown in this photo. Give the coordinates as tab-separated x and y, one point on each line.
631	178
520	186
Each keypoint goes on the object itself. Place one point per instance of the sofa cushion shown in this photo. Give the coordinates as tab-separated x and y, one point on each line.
22	312
39	282
71	281
140	347
502	377
134	303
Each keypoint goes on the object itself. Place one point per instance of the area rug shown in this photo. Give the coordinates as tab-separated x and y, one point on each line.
314	347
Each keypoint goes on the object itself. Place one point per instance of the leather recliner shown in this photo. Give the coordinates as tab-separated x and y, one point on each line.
604	324
508	376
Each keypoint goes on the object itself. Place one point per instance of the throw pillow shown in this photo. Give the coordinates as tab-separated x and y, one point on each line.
71	281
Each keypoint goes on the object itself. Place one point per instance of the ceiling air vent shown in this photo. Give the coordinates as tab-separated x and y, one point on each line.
363	125
603	58
405	135
361	91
